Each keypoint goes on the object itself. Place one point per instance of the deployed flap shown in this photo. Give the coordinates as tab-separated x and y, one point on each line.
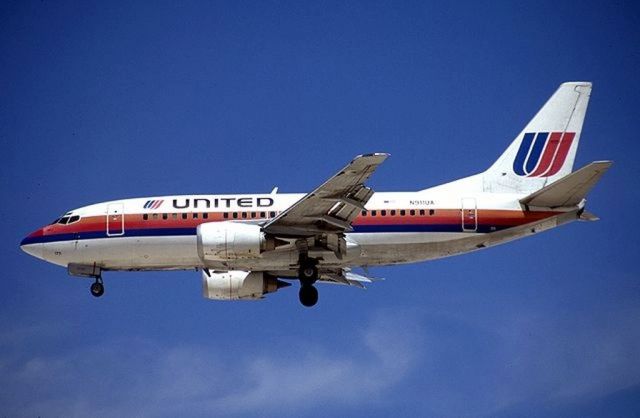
346	277
332	206
569	190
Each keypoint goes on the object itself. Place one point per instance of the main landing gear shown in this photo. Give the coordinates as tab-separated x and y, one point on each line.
308	274
97	287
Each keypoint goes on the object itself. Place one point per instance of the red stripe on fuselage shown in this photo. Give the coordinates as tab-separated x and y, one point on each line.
487	217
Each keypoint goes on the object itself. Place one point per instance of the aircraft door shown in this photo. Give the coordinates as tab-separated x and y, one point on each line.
115	219
469	214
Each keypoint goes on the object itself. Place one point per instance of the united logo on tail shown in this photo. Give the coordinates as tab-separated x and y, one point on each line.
542	154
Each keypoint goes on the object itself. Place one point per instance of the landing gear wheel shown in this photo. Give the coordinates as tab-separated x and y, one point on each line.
308	295
97	288
308	274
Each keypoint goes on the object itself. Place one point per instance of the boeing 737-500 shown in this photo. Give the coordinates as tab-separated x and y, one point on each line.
249	245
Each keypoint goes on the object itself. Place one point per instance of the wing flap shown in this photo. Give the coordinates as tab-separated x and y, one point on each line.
347	277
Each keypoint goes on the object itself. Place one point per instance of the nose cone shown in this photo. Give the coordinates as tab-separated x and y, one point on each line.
33	244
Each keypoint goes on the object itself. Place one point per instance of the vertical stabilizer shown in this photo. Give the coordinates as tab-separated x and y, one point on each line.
546	148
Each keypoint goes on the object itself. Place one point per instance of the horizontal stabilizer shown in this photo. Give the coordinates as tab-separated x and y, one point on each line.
569	190
588	216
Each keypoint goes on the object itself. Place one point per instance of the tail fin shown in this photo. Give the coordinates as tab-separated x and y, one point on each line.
546	148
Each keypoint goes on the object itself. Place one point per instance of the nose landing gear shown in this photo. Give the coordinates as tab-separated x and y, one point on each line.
91	271
97	287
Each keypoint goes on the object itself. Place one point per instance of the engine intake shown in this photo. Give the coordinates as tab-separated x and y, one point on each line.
239	285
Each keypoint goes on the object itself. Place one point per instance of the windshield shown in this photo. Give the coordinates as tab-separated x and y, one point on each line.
66	220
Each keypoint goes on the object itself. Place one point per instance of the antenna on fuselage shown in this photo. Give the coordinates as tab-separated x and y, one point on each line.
275	190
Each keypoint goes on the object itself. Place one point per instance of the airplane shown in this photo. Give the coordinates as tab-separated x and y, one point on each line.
249	245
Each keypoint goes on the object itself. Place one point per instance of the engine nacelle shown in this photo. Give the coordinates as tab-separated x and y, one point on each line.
237	285
220	241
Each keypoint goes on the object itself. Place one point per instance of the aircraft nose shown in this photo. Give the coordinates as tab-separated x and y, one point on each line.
33	245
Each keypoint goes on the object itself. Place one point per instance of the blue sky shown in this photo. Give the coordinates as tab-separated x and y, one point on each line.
109	100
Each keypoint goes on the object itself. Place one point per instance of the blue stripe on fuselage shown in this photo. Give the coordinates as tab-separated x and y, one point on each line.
162	232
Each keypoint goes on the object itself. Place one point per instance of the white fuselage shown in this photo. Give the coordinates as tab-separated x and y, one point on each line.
160	233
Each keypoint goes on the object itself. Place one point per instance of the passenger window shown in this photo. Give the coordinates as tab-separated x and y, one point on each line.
263	214
155	216
432	212
165	216
145	216
393	212
244	215
364	213
205	216
253	215
383	212
195	215
272	214
412	212
235	215
421	212
225	215
184	216
403	212
374	212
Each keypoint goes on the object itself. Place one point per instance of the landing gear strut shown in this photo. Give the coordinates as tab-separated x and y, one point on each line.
97	287
308	274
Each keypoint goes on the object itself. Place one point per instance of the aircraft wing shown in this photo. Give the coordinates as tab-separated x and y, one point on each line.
332	206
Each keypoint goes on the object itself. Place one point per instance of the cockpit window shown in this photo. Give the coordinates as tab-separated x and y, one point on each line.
55	222
66	220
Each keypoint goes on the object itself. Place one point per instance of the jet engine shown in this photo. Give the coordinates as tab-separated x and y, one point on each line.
237	285
221	241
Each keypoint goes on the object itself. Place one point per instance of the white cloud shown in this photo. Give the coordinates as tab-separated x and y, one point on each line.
384	354
458	364
135	377
553	358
